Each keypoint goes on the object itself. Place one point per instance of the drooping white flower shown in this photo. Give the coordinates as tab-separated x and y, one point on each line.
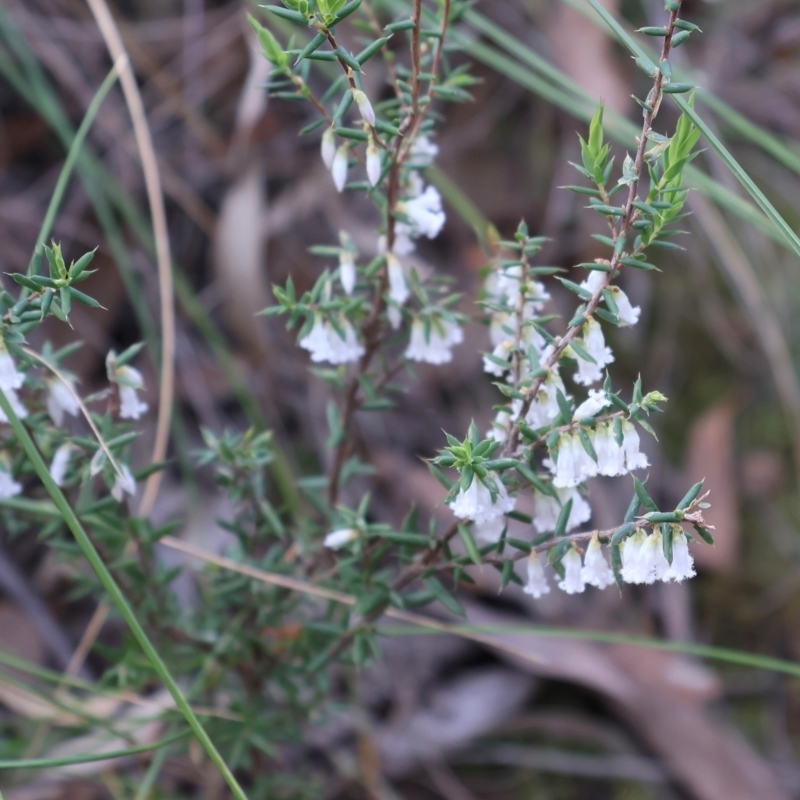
130	381
499	429
574	464
328	147
476	502
61	400
15	403
653	564
130	407
60	463
425	213
443	335
610	456
548	509
502	352
491	530
594	281
682	566
373	163
339	168
596	571
573	582
566	474
634	457
347	270
8	486
398	288
630	554
395	316
337	539
595	345
124	483
325	343
10	377
364	107
537	584
627	313
544	408
422	153
593	405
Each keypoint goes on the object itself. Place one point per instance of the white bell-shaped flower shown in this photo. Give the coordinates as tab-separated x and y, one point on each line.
436	349
593	405
682	566
499	429
502	352
573	582
8	486
547	510
595	345
61	400
653	564
60	463
537	584
425	212
15	403
610	456
130	382
596	571
628	314
124	483
325	343
423	153
337	539
634	457
574	464
476	502
544	408
10	377
491	531
398	287
630	554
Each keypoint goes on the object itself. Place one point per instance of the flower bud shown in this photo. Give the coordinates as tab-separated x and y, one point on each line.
373	163
364	107
339	168
328	147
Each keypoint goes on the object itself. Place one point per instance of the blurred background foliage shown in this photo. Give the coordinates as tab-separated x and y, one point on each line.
246	197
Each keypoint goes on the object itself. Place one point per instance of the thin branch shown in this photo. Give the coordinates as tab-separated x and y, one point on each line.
629	217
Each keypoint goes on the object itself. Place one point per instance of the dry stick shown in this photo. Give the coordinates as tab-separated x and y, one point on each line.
628	218
133	99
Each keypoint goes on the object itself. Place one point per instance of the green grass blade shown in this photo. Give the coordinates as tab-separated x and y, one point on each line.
709	652
69	164
66	761
116	595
